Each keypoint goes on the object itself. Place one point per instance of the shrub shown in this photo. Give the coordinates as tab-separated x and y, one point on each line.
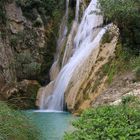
13	41
2	13
37	23
129	99
125	14
108	123
137	74
15	126
26	65
123	61
44	7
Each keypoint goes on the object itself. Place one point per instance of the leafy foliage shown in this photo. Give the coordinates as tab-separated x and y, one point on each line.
2	12
43	7
126	15
123	61
48	13
15	126
26	65
137	74
109	123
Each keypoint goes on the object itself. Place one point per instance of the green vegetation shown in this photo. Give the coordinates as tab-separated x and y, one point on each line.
37	23
46	8
123	61
127	51
125	14
25	45
26	65
15	126
108	36
2	12
137	74
25	96
48	13
109	122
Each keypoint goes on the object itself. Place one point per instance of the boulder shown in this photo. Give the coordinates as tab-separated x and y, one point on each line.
16	19
21	95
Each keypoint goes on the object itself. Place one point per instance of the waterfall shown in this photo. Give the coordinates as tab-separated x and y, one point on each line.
60	43
77	11
69	45
87	38
90	21
62	31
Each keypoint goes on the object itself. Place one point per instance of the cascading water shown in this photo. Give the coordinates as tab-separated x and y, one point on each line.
60	43
77	11
69	45
86	40
63	29
89	23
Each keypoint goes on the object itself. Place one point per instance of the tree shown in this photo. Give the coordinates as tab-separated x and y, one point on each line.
126	15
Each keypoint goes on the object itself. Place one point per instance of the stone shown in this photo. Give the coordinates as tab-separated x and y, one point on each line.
88	82
21	95
119	88
7	72
14	13
16	19
16	27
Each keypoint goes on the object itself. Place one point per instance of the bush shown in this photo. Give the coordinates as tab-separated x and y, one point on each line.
123	61
13	41
125	14
137	74
26	65
2	13
15	126
38	23
44	7
109	123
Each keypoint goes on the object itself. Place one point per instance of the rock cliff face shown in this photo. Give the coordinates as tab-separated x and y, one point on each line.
29	41
22	45
122	85
25	41
90	81
20	95
25	50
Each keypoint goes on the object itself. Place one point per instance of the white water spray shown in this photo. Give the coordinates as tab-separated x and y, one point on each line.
62	31
86	40
60	43
70	45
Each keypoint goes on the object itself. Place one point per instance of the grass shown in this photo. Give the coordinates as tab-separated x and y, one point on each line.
15	126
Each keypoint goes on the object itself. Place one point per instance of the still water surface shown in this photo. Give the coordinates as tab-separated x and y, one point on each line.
52	124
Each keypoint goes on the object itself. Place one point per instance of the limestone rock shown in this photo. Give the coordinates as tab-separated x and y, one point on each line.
14	12
16	19
134	92
16	27
21	95
123	85
7	71
88	81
